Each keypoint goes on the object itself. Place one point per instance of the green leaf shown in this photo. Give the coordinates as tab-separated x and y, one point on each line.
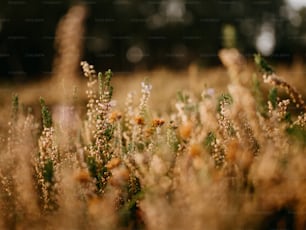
210	140
273	97
258	95
46	116
48	171
262	64
226	98
297	133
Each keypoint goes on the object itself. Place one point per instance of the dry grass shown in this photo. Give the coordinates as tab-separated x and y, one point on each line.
194	152
201	149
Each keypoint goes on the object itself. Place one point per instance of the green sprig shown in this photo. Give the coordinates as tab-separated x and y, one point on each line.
262	64
46	115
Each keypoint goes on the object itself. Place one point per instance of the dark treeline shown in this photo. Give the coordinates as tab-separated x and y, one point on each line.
128	34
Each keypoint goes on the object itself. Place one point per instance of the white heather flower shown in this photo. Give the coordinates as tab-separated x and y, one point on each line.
146	88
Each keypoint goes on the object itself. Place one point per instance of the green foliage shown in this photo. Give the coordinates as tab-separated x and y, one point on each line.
48	171
109	132
210	140
92	165
106	85
297	133
108	77
128	212
273	97
258	95
132	162
229	36
129	208
100	79
226	99
140	146
46	115
182	97
262	64
98	172
288	117
231	131
188	106
172	139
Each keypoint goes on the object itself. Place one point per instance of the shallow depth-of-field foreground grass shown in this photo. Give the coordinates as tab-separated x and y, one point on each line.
217	158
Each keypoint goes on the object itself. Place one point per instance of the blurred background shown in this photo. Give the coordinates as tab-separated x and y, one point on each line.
129	35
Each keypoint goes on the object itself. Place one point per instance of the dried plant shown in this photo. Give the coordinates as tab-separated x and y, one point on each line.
69	45
213	161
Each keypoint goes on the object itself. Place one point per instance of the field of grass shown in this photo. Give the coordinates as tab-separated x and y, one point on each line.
201	149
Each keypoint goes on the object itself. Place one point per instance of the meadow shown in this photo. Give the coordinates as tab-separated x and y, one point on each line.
220	148
200	149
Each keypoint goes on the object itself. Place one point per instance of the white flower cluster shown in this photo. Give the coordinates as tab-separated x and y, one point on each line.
88	70
146	91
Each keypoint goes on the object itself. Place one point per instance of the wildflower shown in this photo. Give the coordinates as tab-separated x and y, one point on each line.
195	150
139	120
114	116
218	154
270	77
185	130
88	70
157	122
282	105
146	91
301	121
113	163
171	136
83	176
295	96
208	93
149	132
145	87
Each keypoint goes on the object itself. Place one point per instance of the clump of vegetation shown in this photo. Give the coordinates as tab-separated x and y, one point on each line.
233	160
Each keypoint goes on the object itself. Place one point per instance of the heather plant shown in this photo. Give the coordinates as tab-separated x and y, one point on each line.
218	160
99	151
47	161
